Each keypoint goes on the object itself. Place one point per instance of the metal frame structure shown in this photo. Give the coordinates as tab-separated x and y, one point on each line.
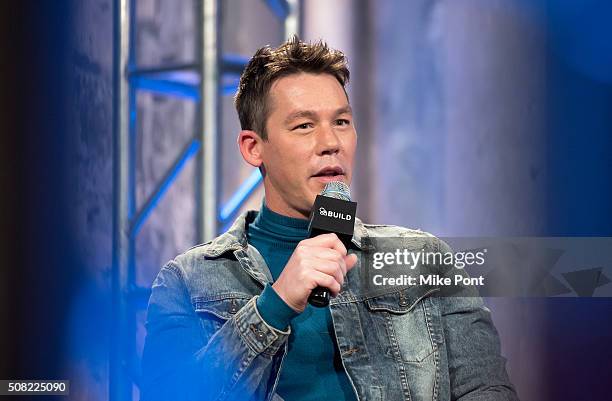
202	82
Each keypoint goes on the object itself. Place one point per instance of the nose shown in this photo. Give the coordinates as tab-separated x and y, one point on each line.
328	141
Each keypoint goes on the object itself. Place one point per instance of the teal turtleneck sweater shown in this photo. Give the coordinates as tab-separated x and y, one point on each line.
312	369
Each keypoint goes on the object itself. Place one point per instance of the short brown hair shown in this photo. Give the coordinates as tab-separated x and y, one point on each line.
269	64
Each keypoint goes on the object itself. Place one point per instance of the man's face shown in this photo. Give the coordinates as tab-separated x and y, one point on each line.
311	141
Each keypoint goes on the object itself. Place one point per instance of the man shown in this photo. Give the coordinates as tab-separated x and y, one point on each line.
229	319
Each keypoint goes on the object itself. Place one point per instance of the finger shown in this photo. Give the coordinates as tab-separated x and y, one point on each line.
343	267
329	267
326	281
350	261
329	254
330	240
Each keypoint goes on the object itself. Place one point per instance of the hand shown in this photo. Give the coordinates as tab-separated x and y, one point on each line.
319	261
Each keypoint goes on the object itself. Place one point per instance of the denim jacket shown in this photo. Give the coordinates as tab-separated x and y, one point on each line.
207	341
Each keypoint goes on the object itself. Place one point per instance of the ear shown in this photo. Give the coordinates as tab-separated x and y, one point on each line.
250	145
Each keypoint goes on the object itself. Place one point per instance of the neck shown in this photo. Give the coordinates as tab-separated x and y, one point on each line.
282	208
266	213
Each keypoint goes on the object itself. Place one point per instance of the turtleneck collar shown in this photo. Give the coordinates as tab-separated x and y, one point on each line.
285	231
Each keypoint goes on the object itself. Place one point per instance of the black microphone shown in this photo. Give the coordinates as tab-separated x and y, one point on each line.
332	212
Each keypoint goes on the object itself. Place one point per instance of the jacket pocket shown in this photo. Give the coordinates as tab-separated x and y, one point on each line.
214	311
412	322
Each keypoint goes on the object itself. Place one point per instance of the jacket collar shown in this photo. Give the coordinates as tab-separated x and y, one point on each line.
236	239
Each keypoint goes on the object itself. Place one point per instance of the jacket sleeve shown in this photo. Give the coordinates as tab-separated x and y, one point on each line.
477	369
187	357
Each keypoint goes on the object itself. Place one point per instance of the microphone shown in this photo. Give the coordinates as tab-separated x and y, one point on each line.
332	212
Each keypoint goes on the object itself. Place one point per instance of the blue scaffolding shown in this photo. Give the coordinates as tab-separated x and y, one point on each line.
202	82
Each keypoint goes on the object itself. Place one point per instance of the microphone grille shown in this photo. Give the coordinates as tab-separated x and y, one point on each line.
338	190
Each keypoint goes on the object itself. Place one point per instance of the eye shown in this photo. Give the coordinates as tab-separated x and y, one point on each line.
343	122
303	126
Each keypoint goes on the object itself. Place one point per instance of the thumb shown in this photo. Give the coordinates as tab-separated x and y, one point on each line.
350	261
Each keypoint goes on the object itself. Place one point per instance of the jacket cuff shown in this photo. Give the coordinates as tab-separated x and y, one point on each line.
256	333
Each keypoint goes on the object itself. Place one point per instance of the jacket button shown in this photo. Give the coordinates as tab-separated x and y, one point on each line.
403	302
233	307
258	333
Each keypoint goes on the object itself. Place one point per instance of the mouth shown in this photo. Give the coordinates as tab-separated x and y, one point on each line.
330	173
